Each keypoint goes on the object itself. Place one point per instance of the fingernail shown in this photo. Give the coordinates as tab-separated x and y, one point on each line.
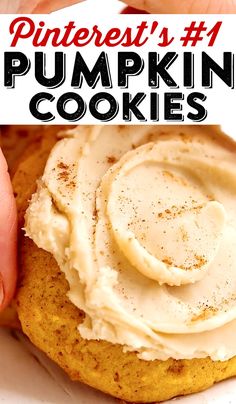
1	291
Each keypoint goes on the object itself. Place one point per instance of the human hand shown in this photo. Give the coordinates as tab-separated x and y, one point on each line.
33	6
185	6
8	231
8	215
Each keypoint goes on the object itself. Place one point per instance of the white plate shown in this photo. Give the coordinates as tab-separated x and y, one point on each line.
27	376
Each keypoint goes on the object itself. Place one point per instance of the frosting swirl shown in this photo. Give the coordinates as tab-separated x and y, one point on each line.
142	222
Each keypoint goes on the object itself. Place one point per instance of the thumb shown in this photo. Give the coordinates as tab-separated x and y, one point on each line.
44	6
8	230
185	6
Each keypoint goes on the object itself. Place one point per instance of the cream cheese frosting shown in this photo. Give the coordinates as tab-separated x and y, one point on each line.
142	221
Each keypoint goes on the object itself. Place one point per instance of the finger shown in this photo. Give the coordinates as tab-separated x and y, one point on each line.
8	230
8	6
131	10
44	6
185	6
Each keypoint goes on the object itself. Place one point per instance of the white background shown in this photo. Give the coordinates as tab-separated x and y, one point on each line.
220	100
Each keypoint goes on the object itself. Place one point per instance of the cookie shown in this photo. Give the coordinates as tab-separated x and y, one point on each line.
51	321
